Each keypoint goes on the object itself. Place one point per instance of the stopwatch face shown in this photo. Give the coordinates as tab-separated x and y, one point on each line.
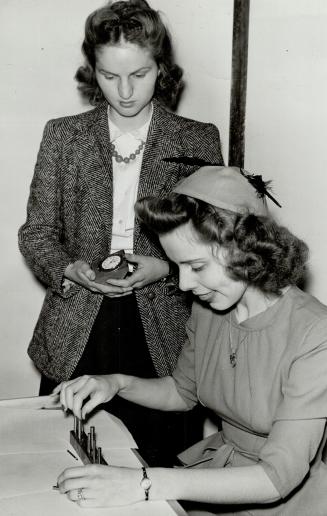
110	263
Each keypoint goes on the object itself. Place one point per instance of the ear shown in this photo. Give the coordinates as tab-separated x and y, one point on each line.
160	73
220	253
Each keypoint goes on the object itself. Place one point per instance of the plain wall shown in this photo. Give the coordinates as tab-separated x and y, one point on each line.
39	53
286	131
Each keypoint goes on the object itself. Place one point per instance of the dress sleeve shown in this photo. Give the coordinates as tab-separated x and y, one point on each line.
184	373
300	418
40	236
304	387
289	450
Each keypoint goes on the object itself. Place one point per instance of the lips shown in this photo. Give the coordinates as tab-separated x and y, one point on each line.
204	297
127	104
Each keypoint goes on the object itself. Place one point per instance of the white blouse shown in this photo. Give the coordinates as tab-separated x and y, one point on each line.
125	183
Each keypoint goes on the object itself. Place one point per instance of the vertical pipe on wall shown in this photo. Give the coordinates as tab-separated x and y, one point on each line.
239	79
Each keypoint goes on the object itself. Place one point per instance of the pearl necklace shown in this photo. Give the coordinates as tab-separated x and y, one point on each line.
119	158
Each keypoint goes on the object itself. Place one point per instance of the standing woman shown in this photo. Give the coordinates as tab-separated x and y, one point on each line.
90	170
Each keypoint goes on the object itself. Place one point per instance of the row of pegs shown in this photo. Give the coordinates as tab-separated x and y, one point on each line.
88	441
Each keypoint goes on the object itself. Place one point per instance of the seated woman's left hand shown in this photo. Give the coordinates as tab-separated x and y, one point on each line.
149	270
97	485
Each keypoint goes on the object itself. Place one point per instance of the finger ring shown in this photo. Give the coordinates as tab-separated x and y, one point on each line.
80	495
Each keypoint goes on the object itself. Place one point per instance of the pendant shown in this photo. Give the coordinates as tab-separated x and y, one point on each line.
232	359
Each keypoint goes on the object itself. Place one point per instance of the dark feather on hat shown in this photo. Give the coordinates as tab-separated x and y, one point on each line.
262	187
196	162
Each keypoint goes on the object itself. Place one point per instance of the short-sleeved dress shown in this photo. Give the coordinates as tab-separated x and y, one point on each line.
280	377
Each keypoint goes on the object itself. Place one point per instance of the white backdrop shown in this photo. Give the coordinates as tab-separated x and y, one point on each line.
286	130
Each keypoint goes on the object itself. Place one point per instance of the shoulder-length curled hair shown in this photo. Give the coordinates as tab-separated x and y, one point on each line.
258	251
135	22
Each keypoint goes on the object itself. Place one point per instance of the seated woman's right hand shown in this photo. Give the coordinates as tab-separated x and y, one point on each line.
94	389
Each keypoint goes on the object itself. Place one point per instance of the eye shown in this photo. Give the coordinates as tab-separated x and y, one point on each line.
109	77
197	268
140	75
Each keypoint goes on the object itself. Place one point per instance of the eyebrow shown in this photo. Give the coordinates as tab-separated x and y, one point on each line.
193	261
143	69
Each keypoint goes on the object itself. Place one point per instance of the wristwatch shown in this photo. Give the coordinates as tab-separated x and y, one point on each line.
145	483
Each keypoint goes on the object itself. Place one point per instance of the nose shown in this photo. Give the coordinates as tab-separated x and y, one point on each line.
185	280
125	88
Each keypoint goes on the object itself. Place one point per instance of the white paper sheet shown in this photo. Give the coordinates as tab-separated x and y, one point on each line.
27	473
110	431
33	449
121	457
34	402
23	431
54	504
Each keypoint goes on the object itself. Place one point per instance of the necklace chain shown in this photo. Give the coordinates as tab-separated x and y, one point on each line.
233	351
121	159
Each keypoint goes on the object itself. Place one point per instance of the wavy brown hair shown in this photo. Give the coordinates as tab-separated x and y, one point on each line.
134	22
259	251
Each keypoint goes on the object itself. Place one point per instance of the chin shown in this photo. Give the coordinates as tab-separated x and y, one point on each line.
127	111
220	307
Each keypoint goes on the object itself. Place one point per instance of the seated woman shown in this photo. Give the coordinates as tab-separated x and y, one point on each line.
256	355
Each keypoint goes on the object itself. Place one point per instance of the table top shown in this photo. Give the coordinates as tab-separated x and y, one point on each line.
35	447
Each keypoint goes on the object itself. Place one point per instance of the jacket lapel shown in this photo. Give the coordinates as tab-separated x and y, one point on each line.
93	151
161	142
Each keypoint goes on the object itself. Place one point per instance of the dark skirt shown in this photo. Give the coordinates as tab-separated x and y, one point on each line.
117	345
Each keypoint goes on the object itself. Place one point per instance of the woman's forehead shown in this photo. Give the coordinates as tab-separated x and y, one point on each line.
123	49
184	243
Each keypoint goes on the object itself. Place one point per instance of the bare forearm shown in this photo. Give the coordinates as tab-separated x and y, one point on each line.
220	486
158	393
81	395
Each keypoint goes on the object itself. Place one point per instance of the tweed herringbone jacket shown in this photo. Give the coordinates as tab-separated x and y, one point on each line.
69	217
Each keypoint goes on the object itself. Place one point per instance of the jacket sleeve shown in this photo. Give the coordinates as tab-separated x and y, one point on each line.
40	238
213	145
203	142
